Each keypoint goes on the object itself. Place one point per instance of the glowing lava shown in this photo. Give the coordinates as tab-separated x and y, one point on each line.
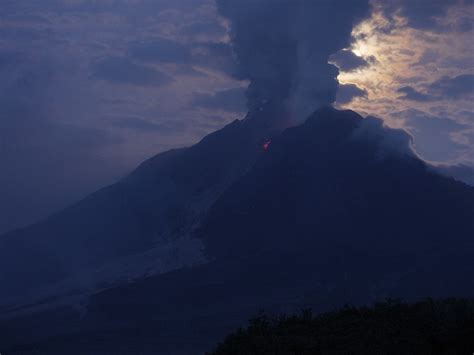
266	145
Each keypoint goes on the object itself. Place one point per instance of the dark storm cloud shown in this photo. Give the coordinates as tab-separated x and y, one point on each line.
161	50
347	92
346	60
282	47
232	100
453	87
122	70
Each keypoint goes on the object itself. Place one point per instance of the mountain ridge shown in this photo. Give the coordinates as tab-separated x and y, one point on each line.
333	211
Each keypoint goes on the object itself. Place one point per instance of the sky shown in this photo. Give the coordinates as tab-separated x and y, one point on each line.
91	88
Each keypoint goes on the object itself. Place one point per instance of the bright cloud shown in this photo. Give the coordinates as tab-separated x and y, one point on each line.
425	67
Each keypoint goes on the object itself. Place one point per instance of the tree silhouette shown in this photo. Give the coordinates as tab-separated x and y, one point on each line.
392	327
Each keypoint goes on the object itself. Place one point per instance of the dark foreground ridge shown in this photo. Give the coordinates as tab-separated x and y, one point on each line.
428	327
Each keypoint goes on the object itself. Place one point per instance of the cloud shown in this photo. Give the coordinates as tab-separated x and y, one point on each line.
161	50
210	28
435	136
231	100
347	60
428	56
409	93
453	87
347	92
216	56
420	14
46	102
459	172
464	24
63	133
219	49
390	141
414	63
124	71
447	88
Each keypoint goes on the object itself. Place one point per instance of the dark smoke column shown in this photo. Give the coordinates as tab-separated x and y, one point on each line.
283	46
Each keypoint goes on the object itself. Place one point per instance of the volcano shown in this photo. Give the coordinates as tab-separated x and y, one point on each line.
195	241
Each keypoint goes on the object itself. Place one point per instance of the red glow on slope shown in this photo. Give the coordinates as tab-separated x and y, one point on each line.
266	145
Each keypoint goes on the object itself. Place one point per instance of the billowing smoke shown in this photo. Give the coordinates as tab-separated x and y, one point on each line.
283	46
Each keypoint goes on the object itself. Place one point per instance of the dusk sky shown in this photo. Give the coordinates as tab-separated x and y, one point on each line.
91	88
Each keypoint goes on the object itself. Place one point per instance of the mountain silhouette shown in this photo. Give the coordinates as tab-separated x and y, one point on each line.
336	210
143	223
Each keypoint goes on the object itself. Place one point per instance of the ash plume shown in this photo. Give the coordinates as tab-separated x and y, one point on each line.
282	47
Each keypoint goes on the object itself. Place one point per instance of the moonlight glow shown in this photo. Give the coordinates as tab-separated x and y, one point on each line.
404	59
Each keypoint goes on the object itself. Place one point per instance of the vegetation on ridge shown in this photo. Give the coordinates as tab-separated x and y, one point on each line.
392	327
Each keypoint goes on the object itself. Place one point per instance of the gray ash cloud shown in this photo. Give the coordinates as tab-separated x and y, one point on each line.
282	47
